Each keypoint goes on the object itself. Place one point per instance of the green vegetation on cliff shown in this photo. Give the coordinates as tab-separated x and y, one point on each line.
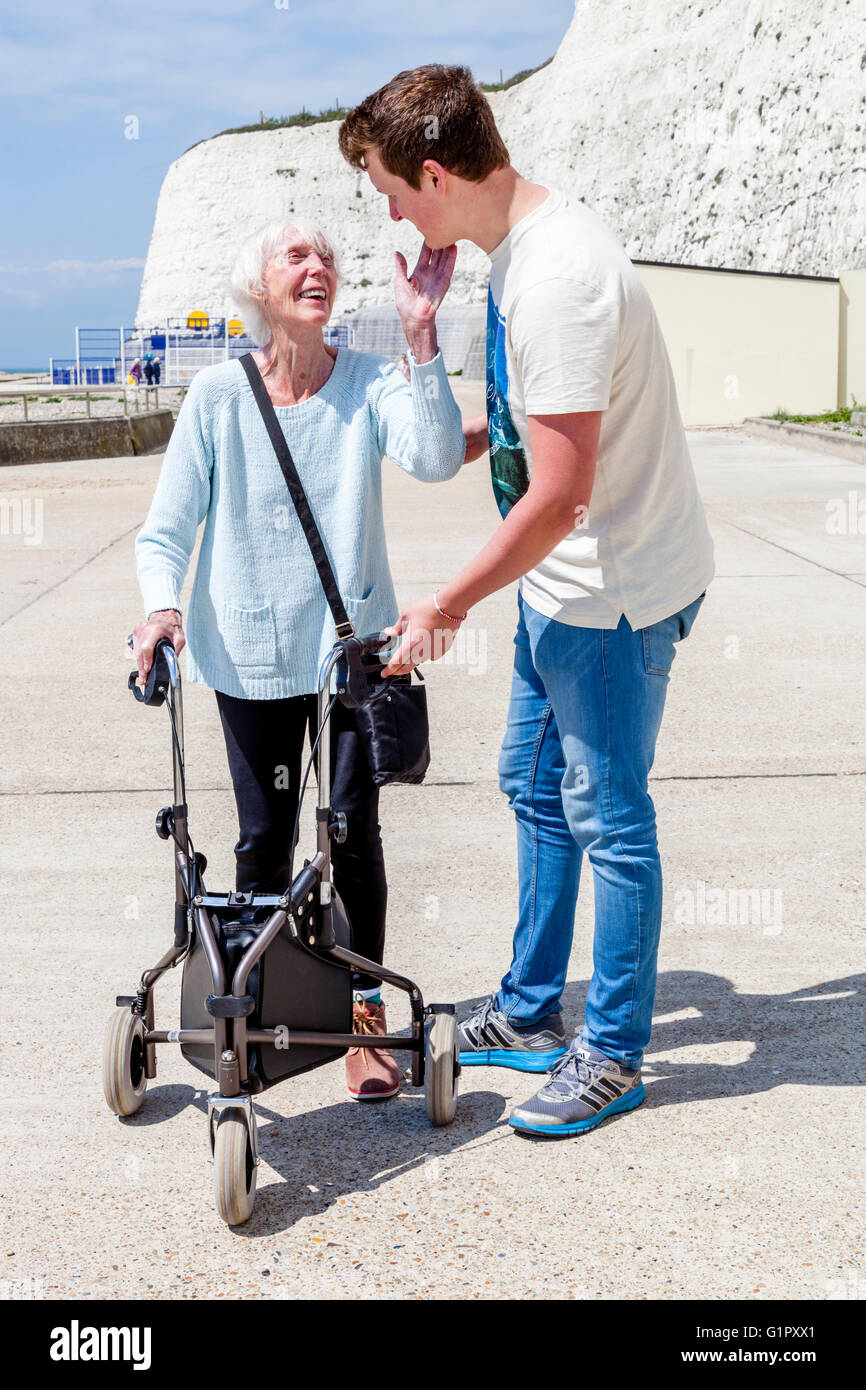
337	112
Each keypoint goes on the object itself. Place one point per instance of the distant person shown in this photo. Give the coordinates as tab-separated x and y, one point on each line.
603	526
148	369
135	371
157	370
259	622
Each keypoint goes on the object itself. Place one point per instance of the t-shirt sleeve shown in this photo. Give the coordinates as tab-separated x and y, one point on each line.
564	337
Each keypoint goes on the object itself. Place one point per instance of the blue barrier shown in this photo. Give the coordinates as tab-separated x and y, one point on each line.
64	372
183	352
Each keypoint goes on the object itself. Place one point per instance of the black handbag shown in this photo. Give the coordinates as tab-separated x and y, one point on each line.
393	722
390	715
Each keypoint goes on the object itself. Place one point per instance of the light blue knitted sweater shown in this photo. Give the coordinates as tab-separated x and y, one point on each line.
258	623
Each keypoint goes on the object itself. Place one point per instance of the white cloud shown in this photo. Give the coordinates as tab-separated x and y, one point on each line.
106	267
109	266
244	55
29	298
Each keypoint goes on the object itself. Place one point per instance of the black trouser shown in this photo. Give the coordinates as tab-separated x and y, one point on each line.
264	742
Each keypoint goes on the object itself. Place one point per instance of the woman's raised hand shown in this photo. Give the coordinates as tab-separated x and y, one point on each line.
419	295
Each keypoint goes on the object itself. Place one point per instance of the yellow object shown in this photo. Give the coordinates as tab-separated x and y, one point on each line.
236	328
130	379
197	320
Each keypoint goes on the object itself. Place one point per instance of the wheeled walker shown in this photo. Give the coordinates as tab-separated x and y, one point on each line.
267	979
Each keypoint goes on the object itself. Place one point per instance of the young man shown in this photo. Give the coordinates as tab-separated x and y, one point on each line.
605	530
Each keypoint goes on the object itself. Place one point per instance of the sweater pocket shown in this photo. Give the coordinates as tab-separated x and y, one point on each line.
355	611
250	635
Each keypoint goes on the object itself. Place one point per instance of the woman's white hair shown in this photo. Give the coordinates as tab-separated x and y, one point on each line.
250	265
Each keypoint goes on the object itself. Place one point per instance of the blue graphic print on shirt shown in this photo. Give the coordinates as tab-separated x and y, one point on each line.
508	466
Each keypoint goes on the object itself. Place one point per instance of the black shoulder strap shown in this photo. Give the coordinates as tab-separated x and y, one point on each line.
299	497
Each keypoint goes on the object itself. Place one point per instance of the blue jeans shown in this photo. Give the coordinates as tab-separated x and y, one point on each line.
585	712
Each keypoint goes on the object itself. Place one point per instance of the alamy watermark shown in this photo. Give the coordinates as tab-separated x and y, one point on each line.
846	516
77	1343
25	1287
465	647
704	906
852	1286
24	517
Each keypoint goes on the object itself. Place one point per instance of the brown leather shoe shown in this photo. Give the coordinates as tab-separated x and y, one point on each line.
371	1072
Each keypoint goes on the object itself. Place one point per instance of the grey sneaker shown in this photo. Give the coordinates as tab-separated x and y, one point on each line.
487	1039
584	1088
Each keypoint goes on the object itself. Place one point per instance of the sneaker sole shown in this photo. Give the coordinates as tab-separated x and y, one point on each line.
516	1061
373	1095
630	1101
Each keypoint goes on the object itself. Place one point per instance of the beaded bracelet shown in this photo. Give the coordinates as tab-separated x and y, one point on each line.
450	616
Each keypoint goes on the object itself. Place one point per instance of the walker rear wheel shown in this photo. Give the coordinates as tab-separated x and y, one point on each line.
441	1069
123	1078
234	1168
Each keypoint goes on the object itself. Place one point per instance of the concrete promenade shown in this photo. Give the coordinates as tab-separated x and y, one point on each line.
741	1176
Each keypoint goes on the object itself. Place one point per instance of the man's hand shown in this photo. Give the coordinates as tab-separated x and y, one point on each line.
476	436
145	635
425	634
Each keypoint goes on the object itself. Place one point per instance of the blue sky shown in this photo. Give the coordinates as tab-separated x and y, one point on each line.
77	198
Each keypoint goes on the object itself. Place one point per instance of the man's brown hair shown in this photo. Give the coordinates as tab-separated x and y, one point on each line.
431	112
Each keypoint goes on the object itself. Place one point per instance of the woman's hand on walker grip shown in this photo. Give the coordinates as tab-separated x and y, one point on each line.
146	634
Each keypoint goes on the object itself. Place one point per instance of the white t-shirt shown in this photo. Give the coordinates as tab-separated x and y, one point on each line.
570	327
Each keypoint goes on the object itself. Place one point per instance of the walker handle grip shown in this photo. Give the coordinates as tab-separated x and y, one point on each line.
377	641
358	681
158	677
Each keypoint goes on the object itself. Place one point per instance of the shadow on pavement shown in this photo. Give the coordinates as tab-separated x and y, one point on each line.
808	1037
334	1150
351	1148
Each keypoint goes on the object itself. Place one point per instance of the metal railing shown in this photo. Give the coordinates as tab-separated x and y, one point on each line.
143	398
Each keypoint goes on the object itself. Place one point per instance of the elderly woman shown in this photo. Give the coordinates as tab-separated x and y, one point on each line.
259	623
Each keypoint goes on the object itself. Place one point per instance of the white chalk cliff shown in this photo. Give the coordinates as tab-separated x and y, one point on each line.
726	133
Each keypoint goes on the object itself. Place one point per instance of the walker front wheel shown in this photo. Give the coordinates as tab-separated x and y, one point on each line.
123	1079
234	1168
441	1069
